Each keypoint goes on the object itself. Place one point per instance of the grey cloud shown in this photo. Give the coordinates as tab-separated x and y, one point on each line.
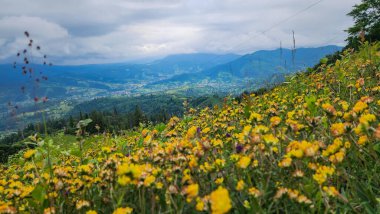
98	31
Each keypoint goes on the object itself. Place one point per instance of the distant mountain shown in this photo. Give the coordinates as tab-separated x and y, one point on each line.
257	66
85	82
123	72
183	63
189	74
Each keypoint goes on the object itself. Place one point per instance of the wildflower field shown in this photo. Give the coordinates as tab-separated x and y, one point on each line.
309	145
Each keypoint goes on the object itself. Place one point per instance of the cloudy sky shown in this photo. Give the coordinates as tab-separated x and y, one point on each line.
103	31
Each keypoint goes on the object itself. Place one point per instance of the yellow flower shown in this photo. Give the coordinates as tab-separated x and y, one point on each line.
311	150
91	212
85	168
29	153
206	130
219	181
191	132
106	149
338	129
331	191
159	185
82	203
220	201
126	210
220	162
303	199
293	193
274	121
377	132
347	145
298	153
269	138
255	116
26	191
124	180
246	130
322	172
246	204
260	129
286	162
362	140
253	191
217	142
360	106
339	156
49	210
193	162
148	139
274	149
344	105
255	163
230	128
298	173
192	190
280	192
200	205
244	162
329	108
240	185
126	168
149	180
331	149
365	119
144	132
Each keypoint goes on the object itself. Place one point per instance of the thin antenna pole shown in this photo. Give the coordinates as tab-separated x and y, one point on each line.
293	50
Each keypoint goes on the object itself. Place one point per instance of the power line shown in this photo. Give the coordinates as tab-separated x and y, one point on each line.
270	28
280	22
291	16
273	26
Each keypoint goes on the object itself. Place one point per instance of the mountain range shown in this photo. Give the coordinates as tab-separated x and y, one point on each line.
258	66
194	74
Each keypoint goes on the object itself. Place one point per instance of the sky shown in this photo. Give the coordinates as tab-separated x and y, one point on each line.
108	31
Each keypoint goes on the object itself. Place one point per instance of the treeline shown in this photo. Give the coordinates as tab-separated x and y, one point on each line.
366	28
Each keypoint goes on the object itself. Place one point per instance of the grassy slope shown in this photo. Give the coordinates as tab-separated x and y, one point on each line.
310	145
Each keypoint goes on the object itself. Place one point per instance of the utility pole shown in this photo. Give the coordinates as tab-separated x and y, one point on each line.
294	50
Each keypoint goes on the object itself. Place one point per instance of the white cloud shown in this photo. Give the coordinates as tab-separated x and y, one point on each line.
97	31
12	26
12	34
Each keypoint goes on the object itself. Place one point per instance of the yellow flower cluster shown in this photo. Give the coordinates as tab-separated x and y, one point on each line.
289	149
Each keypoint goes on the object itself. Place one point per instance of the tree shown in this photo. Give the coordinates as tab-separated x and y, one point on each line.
138	116
366	16
115	113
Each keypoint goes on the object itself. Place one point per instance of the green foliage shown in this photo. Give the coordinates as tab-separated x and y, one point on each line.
367	21
39	193
311	106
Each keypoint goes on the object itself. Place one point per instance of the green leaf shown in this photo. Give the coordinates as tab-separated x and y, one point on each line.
83	123
41	143
310	101
324	60
325	122
376	147
39	193
30	143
